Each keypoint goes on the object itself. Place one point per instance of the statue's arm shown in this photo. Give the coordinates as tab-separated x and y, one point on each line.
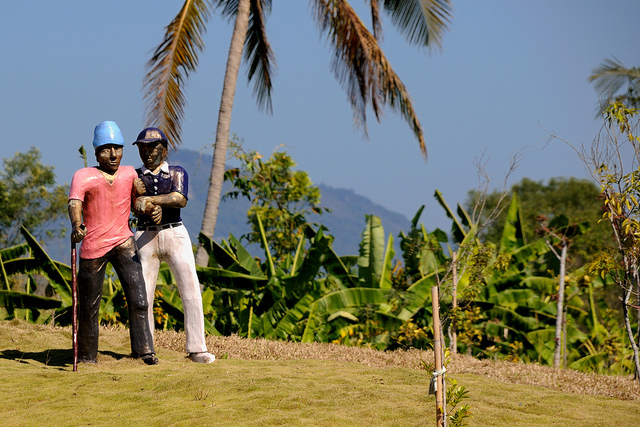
78	230
170	200
143	205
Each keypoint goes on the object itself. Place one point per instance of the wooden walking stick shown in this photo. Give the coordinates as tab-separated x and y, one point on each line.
74	307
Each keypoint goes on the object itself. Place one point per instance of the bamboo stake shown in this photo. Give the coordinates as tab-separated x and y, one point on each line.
437	349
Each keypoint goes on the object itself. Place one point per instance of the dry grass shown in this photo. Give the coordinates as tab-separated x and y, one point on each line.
568	381
264	383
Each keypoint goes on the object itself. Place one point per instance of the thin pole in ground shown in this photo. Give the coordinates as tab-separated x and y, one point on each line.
74	307
454	306
437	349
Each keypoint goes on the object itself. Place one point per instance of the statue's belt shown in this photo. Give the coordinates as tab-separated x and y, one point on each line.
159	226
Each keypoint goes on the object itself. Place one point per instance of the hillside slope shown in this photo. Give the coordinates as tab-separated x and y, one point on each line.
260	382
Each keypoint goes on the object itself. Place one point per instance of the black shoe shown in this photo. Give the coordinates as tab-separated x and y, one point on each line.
150	359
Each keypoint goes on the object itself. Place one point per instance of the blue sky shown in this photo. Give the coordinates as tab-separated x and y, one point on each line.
510	72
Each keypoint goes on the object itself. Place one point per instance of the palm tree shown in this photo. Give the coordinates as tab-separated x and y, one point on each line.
359	65
610	77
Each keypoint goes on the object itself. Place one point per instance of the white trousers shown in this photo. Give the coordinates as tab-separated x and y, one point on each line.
173	246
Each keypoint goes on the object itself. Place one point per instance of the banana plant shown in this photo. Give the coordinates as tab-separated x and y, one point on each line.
492	283
29	260
373	309
266	299
422	252
604	349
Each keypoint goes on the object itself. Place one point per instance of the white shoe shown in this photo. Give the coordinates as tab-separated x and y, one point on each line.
203	357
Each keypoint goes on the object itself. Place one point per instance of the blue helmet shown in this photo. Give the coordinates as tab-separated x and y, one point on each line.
107	132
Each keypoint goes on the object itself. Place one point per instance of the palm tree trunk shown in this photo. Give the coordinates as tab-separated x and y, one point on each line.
224	124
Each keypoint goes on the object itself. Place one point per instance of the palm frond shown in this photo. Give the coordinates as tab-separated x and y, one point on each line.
259	55
422	22
361	66
610	77
169	67
375	19
229	8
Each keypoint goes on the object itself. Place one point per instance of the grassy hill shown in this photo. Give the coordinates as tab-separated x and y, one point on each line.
259	382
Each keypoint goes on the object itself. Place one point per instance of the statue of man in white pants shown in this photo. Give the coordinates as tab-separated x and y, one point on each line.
161	236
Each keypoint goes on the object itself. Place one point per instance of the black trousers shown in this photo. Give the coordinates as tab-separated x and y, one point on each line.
124	259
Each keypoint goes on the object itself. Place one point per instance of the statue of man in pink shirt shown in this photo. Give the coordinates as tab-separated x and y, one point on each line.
100	200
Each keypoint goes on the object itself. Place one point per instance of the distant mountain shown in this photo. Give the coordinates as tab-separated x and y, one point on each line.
346	221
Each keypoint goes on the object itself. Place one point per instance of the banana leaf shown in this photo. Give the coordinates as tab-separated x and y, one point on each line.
514	298
387	265
372	248
241	261
464	216
417	296
285	327
49	268
218	278
513	232
298	257
310	265
520	318
12	299
9	254
218	255
14	251
457	229
344	314
591	363
542	285
165	276
341	300
172	304
265	246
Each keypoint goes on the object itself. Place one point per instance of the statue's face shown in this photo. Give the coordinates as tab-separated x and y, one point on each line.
152	154
109	157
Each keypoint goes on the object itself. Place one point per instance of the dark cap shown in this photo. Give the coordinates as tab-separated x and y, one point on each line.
151	135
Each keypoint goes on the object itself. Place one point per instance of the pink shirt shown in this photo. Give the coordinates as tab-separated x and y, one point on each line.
105	208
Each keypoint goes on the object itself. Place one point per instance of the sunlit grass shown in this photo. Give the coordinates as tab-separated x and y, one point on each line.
261	383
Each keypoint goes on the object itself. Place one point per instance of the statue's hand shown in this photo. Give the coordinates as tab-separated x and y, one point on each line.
139	188
140	206
78	233
156	214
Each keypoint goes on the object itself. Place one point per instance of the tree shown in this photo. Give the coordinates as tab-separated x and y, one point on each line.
558	234
614	158
29	198
610	77
577	199
359	64
280	197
